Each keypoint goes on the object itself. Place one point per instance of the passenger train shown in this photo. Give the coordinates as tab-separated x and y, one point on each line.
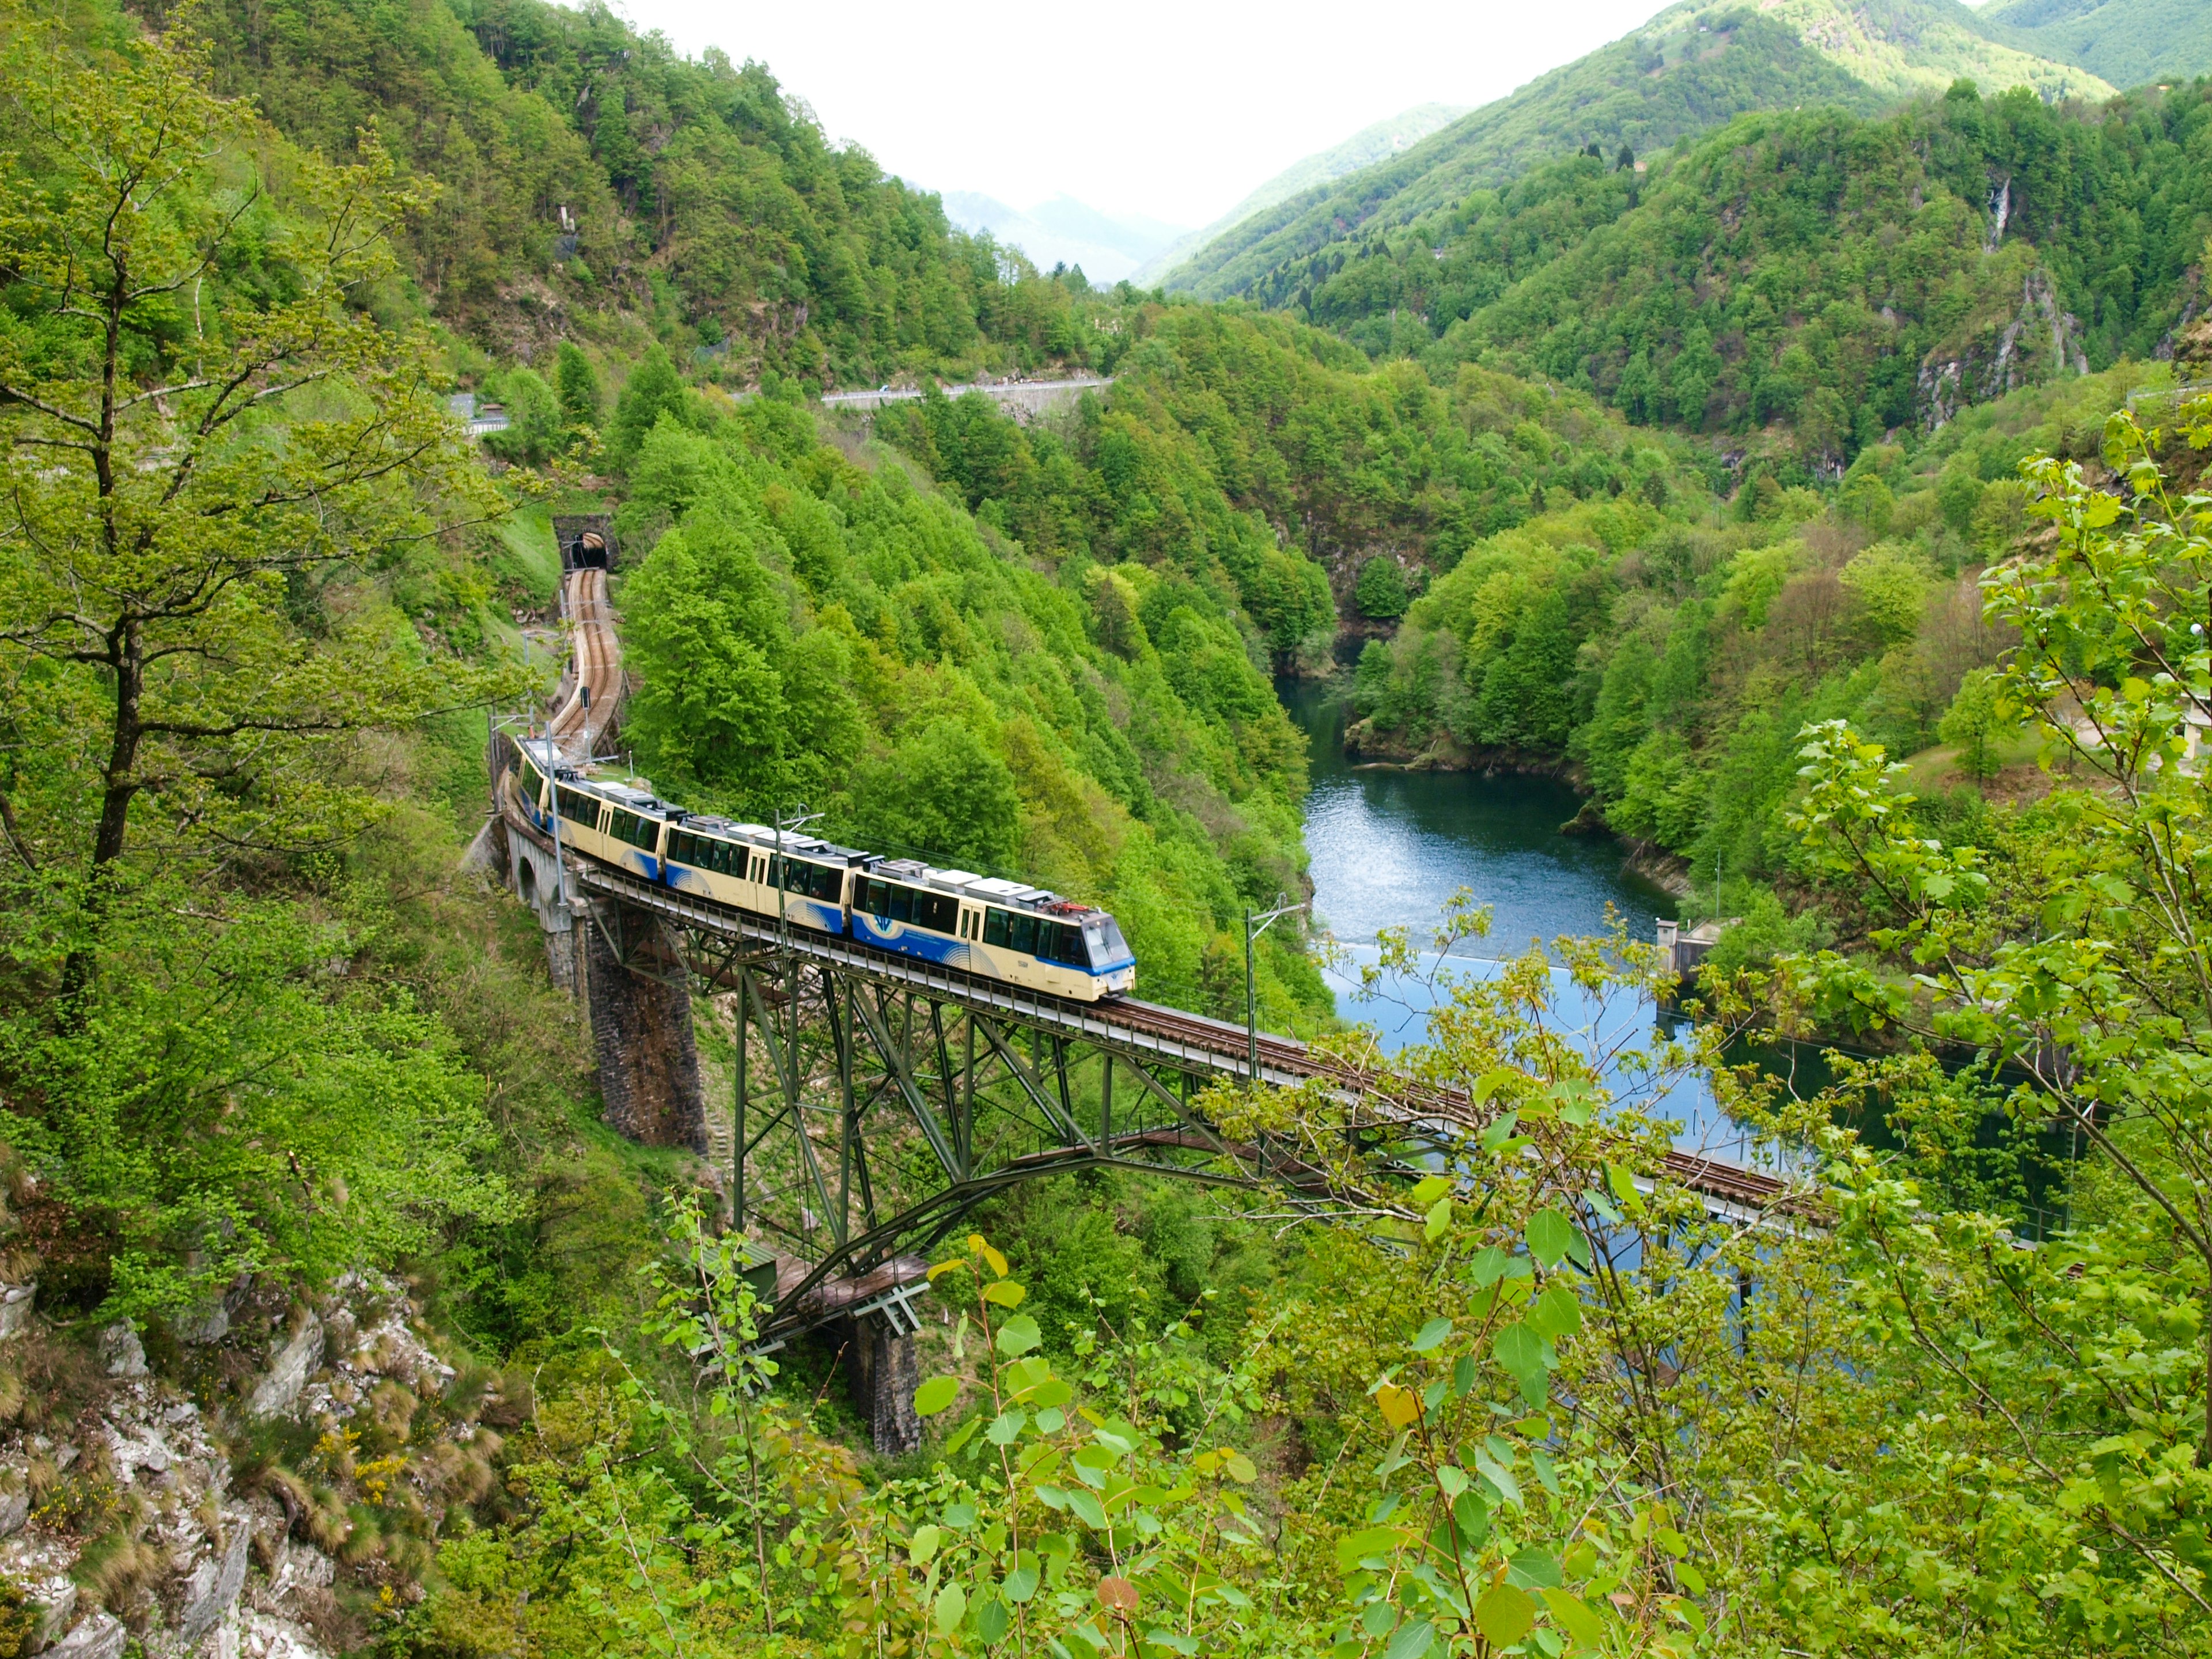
979	925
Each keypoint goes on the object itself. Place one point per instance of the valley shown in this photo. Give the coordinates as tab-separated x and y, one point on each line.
1750	478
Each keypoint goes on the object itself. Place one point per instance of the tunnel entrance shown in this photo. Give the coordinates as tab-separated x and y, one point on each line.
586	541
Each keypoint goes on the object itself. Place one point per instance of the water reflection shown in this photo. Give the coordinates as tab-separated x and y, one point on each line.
1389	847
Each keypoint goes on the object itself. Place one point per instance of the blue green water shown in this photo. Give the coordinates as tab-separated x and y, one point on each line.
1390	848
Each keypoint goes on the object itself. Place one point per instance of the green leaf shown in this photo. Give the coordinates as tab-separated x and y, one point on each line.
1355	1547
963	1435
1520	1350
1021	1583
1432	1334
934	1395
1452	1478
1487	1265
1439	1219
1429	1188
1499	1477
993	1620
1471	1517
1491	1082
1535	1569
1086	1508
1504	1614
1018	1335
922	1545
959	1516
1006	1293
1555	1314
1006	1427
1240	1469
1551	1235
951	1608
1412	1641
1575	1616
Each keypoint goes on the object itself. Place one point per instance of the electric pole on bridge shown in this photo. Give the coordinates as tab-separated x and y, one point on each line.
1251	999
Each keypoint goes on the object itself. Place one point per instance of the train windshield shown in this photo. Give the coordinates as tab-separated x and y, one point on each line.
1107	948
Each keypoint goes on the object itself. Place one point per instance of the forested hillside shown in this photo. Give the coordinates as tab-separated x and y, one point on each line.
1690	68
1817	277
1244	438
2129	42
593	182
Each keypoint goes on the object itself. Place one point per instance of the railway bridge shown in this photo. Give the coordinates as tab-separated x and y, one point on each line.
873	1100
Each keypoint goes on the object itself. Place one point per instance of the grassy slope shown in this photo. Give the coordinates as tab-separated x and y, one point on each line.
1690	68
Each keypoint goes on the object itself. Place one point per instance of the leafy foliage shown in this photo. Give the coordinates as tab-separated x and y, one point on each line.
808	630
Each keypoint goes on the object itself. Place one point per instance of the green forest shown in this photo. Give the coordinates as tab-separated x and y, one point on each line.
1801	453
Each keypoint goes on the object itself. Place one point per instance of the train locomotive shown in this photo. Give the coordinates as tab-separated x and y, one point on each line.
981	925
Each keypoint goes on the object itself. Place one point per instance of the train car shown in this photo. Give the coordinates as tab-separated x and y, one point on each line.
809	881
1000	929
616	824
979	925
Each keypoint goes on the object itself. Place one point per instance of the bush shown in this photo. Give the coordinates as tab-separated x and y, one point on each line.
1380	593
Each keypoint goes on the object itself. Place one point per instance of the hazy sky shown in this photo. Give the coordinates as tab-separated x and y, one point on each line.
1174	108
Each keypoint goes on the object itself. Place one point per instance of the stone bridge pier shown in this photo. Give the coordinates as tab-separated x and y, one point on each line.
639	992
621	963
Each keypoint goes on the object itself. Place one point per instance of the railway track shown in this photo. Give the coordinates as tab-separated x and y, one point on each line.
1714	1177
593	682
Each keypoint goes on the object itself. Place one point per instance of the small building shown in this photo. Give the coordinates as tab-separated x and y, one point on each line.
586	541
1681	953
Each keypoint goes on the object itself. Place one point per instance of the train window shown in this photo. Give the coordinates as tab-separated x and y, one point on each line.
994	927
530	781
1024	935
935	911
812	880
580	809
1105	938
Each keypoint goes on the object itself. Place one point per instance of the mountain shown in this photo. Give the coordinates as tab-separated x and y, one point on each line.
1064	232
1364	148
1812	276
2129	42
584	170
1690	68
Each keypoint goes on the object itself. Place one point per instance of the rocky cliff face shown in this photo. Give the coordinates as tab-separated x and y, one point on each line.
258	1488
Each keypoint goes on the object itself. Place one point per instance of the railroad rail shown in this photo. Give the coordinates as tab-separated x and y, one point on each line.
591	686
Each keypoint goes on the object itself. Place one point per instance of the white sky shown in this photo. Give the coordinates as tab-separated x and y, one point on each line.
1170	108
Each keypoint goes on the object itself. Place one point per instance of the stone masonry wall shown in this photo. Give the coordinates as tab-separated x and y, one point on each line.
641	1032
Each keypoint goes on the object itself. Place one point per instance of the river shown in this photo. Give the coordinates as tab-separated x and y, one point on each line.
1390	848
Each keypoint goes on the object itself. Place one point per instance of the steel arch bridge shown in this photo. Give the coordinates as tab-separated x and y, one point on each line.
876	1099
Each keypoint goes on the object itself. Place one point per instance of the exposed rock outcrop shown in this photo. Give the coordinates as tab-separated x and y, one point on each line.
192	1561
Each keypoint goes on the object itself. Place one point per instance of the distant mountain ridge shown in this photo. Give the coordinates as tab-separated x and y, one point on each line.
1064	231
2129	42
1364	148
1690	68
